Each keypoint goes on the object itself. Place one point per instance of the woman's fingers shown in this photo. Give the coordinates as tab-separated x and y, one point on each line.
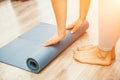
70	27
54	40
74	26
51	42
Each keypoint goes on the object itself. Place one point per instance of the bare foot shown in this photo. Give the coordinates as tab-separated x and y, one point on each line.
54	40
113	53
84	48
93	55
75	25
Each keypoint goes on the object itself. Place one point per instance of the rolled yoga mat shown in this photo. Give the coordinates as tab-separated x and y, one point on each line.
27	51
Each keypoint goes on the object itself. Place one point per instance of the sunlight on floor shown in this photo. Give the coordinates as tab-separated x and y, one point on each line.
9	27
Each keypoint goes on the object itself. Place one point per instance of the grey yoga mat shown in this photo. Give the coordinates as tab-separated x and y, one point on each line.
27	51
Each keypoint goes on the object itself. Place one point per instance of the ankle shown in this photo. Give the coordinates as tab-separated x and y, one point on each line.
104	53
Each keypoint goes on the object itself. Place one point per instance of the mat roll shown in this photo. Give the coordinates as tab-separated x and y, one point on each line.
27	51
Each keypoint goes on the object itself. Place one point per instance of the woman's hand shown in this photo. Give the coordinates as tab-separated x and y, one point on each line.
54	40
75	25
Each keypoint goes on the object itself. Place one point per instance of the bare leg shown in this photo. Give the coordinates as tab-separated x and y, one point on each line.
60	9
84	6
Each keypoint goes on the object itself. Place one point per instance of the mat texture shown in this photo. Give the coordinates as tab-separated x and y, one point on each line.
27	51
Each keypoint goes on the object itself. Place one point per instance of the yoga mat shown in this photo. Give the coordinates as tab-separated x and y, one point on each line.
27	51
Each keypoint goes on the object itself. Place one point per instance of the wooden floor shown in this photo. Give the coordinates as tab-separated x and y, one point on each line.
18	17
